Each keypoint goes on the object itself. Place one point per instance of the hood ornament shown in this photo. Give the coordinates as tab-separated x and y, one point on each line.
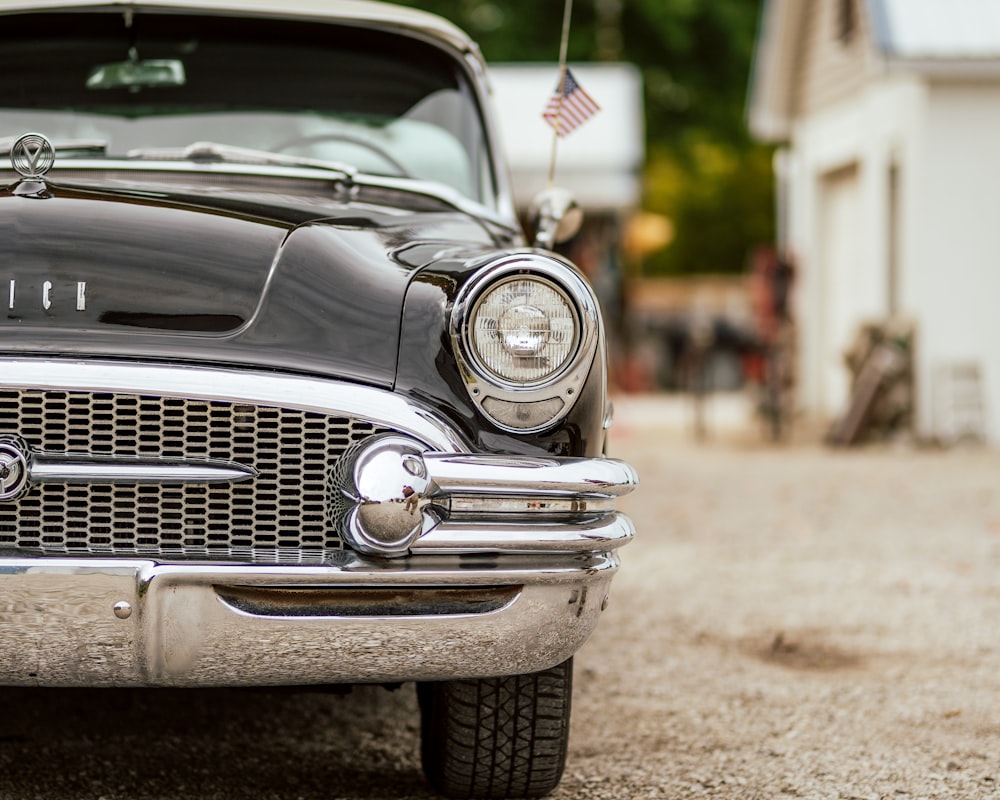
32	156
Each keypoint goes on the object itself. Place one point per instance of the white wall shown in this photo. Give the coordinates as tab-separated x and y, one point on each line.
843	277
944	140
956	258
842	158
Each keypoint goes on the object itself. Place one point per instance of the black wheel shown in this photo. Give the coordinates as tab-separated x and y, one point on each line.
497	737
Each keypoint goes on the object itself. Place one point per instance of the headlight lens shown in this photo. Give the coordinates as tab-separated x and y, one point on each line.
525	330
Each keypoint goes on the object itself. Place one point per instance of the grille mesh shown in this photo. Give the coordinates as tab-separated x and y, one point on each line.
284	508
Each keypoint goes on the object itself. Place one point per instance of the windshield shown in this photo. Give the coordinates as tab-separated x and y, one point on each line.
148	86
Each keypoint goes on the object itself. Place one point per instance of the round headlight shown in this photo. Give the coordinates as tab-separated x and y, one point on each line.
524	330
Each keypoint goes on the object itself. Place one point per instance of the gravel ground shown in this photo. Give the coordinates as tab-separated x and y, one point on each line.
790	622
797	622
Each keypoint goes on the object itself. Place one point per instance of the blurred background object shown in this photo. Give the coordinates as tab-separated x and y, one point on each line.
851	140
886	112
677	194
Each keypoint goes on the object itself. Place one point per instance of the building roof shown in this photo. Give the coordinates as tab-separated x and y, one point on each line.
953	38
937	29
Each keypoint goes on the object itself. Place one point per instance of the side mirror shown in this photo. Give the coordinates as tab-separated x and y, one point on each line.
555	216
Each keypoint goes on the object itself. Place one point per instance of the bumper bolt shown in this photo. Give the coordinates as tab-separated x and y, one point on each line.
123	609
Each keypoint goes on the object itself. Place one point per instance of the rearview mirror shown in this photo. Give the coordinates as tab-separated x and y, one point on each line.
135	74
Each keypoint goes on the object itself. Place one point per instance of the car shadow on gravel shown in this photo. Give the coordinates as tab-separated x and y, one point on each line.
209	743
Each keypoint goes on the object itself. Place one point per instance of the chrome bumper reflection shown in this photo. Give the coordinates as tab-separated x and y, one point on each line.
520	476
511	504
592	534
90	622
391	498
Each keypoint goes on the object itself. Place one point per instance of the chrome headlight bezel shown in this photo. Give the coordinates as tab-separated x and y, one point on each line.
533	405
492	372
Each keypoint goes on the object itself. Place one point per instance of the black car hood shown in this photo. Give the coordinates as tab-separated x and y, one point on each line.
222	275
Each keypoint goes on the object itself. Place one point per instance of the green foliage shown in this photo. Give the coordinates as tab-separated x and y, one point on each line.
720	198
518	30
702	170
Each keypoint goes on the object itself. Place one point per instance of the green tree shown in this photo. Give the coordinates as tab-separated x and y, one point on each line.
702	169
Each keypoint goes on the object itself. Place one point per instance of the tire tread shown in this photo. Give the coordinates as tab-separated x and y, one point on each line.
497	737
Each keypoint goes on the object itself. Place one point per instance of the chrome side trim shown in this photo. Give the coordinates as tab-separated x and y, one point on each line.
81	469
231	385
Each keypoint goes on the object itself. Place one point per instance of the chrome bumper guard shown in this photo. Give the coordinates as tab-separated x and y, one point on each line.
523	505
392	498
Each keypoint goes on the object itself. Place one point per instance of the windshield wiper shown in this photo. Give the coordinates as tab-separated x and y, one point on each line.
63	148
215	153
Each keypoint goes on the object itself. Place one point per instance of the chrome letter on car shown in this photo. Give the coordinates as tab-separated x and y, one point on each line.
48	290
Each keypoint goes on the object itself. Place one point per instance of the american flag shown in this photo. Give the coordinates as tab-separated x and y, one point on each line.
567	112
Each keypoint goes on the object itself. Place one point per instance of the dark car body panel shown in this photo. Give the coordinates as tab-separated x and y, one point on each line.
205	274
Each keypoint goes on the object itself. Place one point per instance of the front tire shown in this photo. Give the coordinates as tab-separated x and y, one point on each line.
497	737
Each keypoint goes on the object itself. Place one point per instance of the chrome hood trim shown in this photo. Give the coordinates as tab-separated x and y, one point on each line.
236	386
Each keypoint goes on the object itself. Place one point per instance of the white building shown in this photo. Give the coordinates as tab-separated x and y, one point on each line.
601	161
889	181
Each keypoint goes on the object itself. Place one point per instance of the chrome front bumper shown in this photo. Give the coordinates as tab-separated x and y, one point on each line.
89	622
501	565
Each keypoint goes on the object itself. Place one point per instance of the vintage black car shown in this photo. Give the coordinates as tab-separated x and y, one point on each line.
286	398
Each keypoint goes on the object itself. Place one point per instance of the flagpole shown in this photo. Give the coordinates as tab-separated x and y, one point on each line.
563	48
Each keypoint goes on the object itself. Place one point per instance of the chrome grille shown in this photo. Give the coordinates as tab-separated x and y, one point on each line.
284	508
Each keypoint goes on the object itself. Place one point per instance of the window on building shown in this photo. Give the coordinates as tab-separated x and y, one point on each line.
847	20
